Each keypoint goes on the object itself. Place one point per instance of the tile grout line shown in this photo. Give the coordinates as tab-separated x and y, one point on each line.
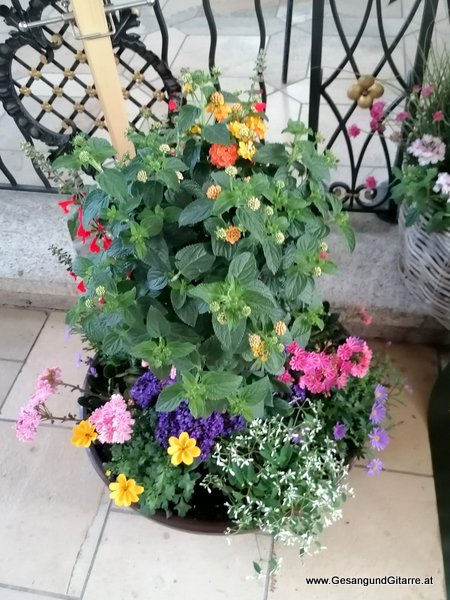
399	472
13	360
268	574
31	591
94	556
47	316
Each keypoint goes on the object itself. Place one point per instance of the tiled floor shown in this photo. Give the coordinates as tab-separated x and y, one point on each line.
61	538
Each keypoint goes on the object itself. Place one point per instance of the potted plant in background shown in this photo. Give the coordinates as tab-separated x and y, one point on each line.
422	188
221	389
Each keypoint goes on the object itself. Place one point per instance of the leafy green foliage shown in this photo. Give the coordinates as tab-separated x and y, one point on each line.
199	258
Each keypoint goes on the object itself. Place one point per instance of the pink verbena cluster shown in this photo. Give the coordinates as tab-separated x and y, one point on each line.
319	372
29	418
113	421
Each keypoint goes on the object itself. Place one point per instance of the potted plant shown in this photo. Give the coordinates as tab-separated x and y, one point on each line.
221	390
422	185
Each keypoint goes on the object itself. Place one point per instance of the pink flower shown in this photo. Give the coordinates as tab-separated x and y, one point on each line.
427	91
353	130
358	354
370	183
113	421
27	424
48	382
377	110
416	88
292	347
428	150
377	126
402	116
438	116
365	318
172	105
286	377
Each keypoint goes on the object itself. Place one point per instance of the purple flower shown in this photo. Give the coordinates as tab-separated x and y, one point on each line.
298	395
339	431
205	431
381	394
379	439
296	438
147	388
374	466
378	413
78	359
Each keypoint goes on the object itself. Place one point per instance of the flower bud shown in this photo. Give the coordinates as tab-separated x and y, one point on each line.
279	238
100	291
280	185
221	318
142	176
323	247
213	192
84	157
254	203
269	211
179	175
214	306
317	271
164	148
246	311
231	171
280	328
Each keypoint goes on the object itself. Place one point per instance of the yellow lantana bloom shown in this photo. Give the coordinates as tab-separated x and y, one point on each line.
83	434
257	125
221	112
247	150
235	128
125	491
183	449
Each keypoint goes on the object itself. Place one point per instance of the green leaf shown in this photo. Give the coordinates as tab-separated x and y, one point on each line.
187	115
169	178
412	215
301	331
191	153
152	223
243	268
180	349
95	201
100	149
349	235
273	255
187	311
255	396
193	261
196	211
204	291
170	398
217	134
156	280
157	324
81	266
220	384
253	222
114	183
113	344
230	338
295	284
67	161
275	363
257	567
274	154
175	164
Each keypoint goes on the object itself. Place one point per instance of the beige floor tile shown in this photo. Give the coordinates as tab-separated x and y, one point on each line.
8	372
389	528
50	350
18	330
409	447
9	594
140	559
52	512
280	108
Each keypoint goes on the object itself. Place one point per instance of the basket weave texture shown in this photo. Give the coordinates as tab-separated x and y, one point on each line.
425	265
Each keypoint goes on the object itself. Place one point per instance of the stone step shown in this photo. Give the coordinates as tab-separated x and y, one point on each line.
370	277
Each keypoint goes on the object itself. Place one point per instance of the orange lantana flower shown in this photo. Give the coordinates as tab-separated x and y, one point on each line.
232	234
222	112
223	156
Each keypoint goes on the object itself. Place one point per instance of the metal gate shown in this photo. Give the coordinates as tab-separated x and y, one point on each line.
53	97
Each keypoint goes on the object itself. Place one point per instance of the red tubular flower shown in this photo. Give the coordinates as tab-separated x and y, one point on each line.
83	233
64	205
81	287
101	301
94	247
106	242
72	274
172	105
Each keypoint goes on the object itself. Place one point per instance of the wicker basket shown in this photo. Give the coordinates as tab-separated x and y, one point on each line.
425	266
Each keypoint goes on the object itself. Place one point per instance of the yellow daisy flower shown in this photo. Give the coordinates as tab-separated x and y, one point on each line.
83	434
235	128
125	491
183	449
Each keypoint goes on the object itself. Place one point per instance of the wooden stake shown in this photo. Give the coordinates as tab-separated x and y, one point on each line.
91	19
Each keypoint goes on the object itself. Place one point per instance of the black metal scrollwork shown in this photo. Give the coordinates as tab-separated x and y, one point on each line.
46	42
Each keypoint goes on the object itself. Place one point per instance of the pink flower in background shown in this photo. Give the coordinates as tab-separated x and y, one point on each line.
428	150
172	105
113	421
377	110
48	382
286	377
427	91
438	116
370	183
353	130
365	318
402	116
377	126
